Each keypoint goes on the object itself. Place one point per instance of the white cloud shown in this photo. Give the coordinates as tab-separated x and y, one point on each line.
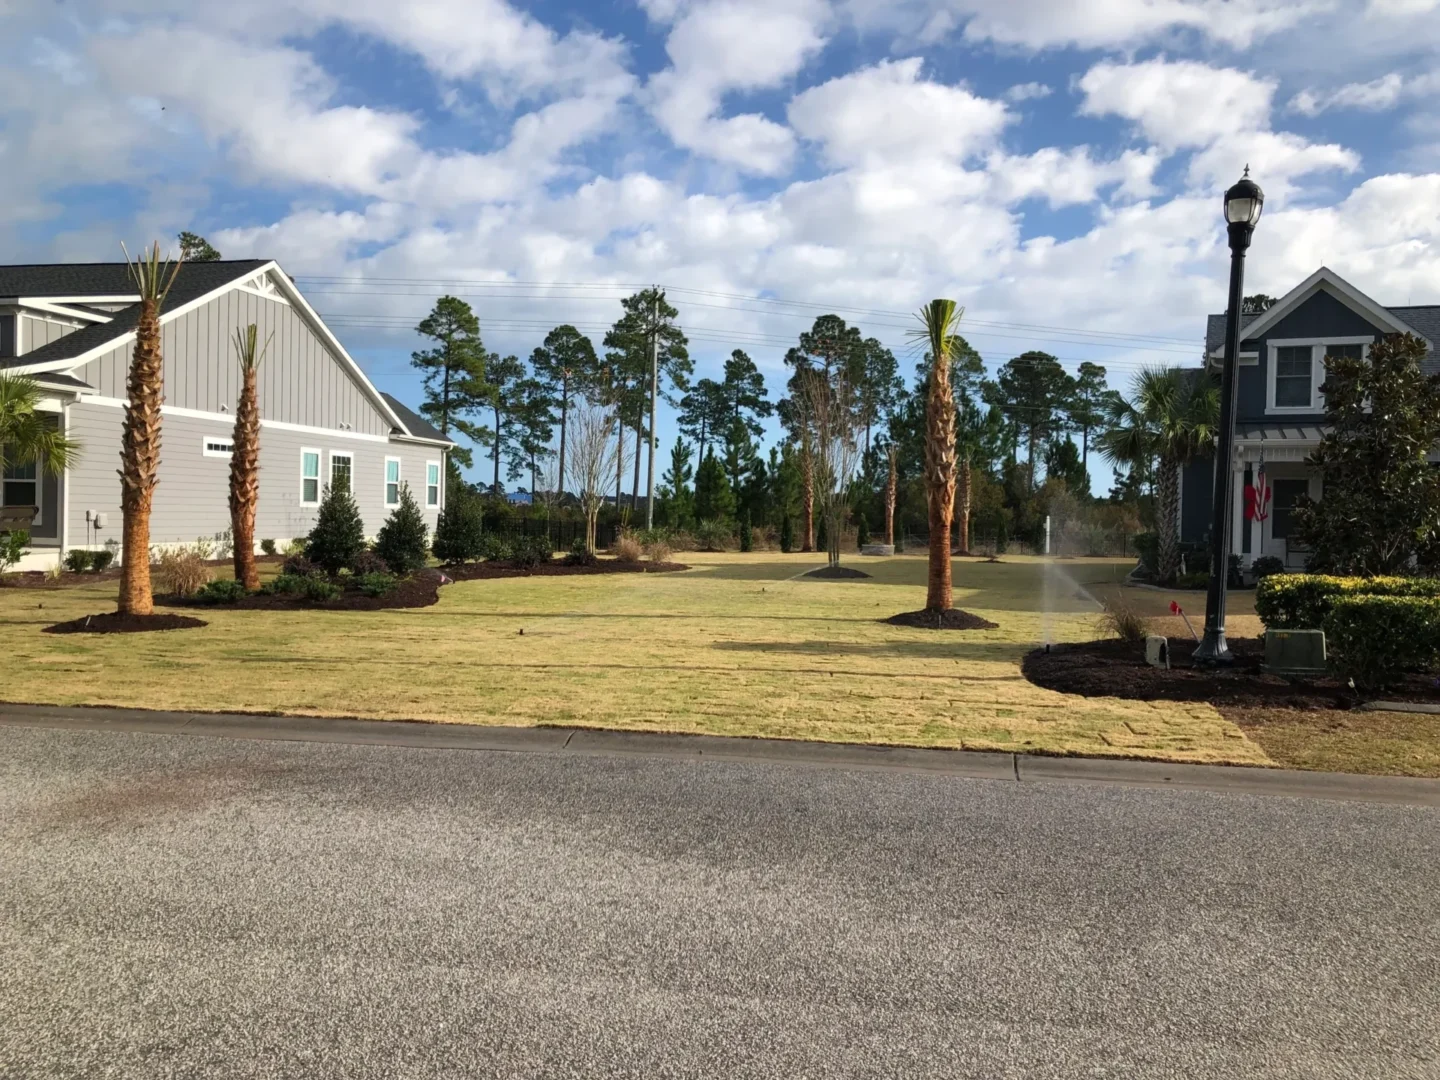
1070	177
1376	95
1402	8
1045	24
1029	91
890	112
1178	103
724	46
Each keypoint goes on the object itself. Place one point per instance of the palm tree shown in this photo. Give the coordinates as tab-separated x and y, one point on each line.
245	458
1173	418
140	438
939	319
25	437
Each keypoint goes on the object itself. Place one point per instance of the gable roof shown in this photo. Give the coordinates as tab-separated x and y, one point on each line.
109	279
1390	319
415	425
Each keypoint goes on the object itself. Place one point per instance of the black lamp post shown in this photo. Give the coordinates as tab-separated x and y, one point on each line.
1242	210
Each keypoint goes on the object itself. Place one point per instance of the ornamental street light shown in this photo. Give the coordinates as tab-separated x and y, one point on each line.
1243	203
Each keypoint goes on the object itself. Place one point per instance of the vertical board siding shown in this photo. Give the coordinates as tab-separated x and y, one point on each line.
192	496
36	332
301	381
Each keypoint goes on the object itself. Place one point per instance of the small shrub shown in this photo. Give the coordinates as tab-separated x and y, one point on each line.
659	551
78	560
368	562
1120	619
288	584
12	547
296	546
579	554
100	560
459	532
1375	640
182	572
712	535
683	540
747	534
787	534
339	532
862	531
300	566
403	541
377	584
1192	581
204	547
822	534
531	551
267	547
494	548
225	544
319	590
626	549
1147	548
1267	565
223	591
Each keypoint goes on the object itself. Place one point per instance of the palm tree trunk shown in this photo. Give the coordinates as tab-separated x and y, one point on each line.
962	506
245	481
891	484
940	485
140	460
1167	523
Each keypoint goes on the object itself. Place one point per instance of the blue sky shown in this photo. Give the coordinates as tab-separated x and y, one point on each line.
1056	165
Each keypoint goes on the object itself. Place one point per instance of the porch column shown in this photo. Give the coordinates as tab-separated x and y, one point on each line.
1257	531
1237	505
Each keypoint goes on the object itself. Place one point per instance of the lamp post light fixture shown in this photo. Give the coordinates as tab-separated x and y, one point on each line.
1243	203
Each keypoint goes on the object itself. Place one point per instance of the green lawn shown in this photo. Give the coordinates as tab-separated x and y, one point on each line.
738	645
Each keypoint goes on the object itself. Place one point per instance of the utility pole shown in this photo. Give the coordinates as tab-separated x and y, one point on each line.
654	393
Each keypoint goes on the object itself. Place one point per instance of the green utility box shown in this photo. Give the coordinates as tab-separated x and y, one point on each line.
1295	652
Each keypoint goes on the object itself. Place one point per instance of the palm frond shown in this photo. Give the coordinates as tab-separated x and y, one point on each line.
153	278
24	435
246	341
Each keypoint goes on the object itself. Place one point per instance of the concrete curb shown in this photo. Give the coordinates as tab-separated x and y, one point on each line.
1022	768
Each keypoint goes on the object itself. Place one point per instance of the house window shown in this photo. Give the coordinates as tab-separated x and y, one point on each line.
20	486
1282	507
309	477
213	447
392	481
342	468
1293	374
432	483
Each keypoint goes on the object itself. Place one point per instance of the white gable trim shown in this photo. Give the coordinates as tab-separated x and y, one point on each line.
51	307
1342	290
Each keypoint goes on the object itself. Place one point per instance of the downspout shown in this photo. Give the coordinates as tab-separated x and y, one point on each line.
65	488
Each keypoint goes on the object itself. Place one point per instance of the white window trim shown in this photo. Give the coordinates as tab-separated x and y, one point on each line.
439	484
330	472
399	479
1317	370
206	440
39	483
319	478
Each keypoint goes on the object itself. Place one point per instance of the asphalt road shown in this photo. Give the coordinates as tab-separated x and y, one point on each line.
174	906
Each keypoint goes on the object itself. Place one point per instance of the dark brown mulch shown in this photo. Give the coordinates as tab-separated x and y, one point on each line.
837	573
112	622
418	590
1114	668
950	619
482	570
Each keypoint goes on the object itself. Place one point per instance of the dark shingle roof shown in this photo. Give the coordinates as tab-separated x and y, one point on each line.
1215	330
1424	320
415	424
109	279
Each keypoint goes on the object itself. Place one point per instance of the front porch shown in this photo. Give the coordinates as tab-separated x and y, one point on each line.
1262	523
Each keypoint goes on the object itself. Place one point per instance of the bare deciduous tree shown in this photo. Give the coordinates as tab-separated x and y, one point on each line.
595	455
835	448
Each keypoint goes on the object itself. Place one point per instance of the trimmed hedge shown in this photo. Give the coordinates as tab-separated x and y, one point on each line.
1303	601
1376	639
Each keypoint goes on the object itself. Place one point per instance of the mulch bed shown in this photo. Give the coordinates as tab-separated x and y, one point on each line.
483	570
112	622
837	573
39	579
950	619
1114	668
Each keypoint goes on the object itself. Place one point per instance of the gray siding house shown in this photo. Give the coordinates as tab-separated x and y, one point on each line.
1280	410
71	327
